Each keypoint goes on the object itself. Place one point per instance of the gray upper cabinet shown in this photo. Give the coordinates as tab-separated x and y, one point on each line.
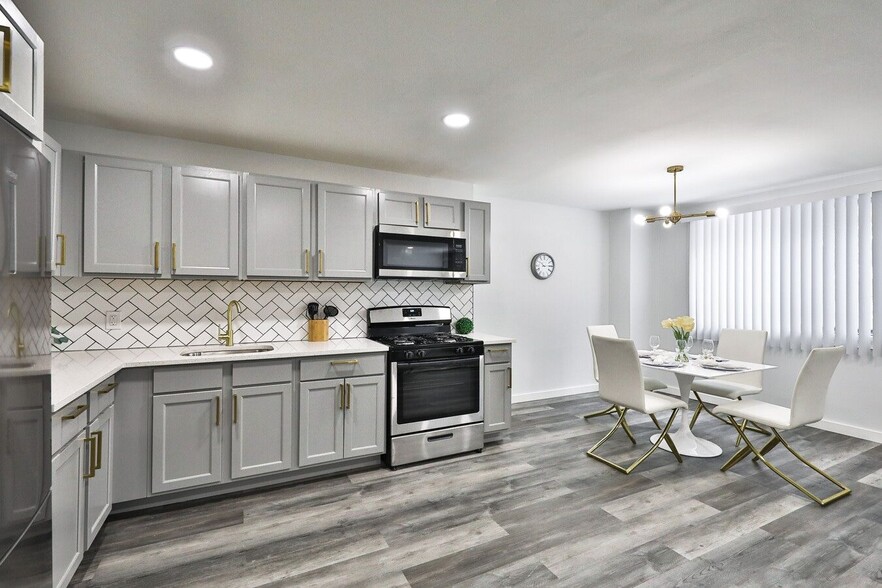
122	216
477	226
278	214
205	222
21	179
21	82
262	426
346	220
365	416
321	421
186	439
411	210
57	237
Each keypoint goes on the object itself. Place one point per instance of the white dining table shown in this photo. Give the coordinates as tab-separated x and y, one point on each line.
687	443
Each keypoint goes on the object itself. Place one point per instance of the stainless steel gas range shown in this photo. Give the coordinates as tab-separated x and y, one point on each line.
436	384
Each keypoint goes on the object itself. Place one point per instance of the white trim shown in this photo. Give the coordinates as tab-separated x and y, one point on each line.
850	430
556	393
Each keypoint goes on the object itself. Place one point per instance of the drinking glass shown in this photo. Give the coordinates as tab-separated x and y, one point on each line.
655	342
707	348
689	343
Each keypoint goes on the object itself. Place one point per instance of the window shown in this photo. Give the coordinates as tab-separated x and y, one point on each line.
804	273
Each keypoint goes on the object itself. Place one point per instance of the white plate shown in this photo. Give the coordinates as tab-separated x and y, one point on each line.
722	368
668	364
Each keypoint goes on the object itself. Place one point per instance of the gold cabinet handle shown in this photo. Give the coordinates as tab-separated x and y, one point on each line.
7	59
156	256
427	213
99	441
217	411
90	441
174	257
235	408
341	396
108	389
321	262
80	409
495	349
509	377
344	362
306	261
416	211
348	395
467	267
62	258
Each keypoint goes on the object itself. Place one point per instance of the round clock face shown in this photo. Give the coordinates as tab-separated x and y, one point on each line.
542	266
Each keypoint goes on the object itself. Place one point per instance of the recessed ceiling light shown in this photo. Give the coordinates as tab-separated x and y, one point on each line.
457	120
193	58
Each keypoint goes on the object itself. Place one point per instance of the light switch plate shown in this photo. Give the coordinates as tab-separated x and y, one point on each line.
112	320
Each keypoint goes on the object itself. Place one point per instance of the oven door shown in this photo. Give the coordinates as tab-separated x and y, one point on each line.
419	256
427	395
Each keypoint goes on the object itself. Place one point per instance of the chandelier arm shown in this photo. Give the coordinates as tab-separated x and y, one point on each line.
707	213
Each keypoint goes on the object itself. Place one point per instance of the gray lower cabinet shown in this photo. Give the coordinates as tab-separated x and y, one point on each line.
262	427
69	466
497	388
205	222
278	226
99	486
342	418
344	232
186	439
477	226
122	216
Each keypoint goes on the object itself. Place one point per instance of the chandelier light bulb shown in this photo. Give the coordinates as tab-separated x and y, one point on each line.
665	210
639	219
722	212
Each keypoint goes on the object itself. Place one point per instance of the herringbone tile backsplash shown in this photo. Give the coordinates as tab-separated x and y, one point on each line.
163	313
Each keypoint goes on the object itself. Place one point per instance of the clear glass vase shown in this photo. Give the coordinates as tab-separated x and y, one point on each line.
681	356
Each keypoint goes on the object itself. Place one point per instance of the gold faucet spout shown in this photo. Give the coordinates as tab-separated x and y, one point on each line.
227	338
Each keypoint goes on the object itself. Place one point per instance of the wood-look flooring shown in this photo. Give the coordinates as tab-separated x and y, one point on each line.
531	510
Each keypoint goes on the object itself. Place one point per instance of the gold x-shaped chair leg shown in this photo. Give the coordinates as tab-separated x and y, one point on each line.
627	470
613	409
745	424
760	455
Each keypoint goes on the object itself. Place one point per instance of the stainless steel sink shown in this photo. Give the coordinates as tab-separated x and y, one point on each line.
14	364
235	350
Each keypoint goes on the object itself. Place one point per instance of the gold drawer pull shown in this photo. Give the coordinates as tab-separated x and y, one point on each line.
348	395
110	387
497	349
235	408
156	256
81	408
63	256
306	261
99	441
217	411
90	441
7	59
341	396
344	362
321	261
174	257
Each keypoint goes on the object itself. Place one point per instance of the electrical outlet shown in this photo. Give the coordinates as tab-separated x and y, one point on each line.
112	320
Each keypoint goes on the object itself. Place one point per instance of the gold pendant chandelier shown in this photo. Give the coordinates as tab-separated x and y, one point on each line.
670	216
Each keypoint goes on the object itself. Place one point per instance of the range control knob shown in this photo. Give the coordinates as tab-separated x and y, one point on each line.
421	353
408	355
460	350
470	349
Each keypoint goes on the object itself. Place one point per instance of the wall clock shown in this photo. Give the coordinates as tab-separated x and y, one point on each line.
542	266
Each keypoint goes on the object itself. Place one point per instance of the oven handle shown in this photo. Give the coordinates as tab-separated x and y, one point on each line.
438	365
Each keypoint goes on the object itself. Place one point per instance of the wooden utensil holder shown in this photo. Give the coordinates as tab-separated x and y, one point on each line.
317	330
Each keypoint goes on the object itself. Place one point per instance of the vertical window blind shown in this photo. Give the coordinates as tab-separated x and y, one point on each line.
803	273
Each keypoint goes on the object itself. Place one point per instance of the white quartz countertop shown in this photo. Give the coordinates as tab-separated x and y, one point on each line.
490	339
76	372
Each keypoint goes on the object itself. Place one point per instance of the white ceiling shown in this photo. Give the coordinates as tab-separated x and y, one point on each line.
572	101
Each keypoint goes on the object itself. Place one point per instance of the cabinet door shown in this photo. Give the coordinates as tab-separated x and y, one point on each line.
25	176
477	226
346	220
497	397
321	421
205	222
186	440
99	489
22	99
261	430
399	209
68	510
442	213
278	213
365	423
122	216
57	238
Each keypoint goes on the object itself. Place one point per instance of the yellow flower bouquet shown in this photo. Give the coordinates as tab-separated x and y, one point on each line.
682	326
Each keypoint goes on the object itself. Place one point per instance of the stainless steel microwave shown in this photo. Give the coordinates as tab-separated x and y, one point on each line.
406	252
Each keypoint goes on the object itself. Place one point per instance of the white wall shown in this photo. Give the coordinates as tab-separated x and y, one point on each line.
547	317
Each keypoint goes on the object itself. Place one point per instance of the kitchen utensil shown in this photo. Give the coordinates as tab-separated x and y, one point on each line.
312	310
331	311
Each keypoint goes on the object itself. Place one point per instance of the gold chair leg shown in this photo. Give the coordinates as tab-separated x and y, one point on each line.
770	444
655	421
627	470
843	490
625	426
742	426
603	412
698	410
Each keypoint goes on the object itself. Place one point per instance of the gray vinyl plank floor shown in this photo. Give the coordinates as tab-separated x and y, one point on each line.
531	510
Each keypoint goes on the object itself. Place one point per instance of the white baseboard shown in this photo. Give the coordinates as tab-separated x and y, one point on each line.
556	393
850	430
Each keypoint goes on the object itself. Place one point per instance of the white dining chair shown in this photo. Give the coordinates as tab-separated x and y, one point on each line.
806	407
740	345
621	384
649	384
